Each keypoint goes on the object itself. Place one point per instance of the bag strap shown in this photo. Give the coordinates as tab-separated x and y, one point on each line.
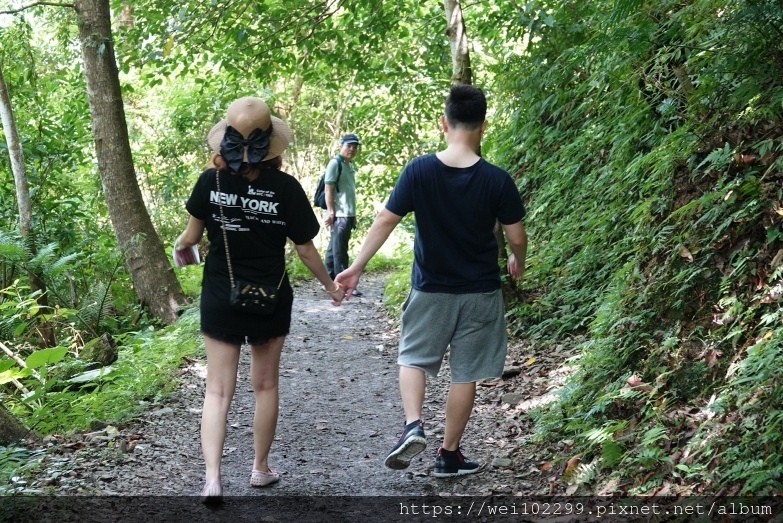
225	236
223	228
339	173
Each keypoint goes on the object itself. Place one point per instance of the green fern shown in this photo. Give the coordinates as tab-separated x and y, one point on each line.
13	247
58	266
718	159
96	307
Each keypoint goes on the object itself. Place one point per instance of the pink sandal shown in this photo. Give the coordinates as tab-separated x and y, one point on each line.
261	479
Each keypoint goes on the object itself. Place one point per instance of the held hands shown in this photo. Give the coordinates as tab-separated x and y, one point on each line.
348	280
337	295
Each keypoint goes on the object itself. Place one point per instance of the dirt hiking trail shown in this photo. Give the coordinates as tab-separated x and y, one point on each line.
340	414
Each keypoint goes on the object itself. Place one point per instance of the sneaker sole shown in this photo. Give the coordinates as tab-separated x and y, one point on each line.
401	458
460	472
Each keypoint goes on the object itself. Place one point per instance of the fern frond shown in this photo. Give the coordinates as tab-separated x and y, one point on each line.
43	258
96	306
13	247
622	9
719	158
587	472
61	264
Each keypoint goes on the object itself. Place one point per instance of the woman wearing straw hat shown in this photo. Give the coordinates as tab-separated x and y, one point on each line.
249	208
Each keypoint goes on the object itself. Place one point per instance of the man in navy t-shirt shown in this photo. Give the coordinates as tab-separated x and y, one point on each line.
455	302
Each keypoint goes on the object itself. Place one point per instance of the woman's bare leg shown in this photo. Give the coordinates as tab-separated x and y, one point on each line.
264	377
222	363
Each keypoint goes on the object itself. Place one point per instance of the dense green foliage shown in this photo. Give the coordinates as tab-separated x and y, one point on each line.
645	138
66	395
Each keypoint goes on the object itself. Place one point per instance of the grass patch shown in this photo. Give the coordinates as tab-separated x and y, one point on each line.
141	376
190	277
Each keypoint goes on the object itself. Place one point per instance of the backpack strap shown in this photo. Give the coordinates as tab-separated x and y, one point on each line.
339	172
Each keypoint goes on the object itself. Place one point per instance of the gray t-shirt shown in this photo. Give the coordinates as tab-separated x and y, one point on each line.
345	195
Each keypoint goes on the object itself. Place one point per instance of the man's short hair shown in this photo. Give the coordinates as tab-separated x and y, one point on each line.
466	106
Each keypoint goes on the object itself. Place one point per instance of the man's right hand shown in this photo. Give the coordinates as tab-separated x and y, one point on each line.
329	220
348	280
515	269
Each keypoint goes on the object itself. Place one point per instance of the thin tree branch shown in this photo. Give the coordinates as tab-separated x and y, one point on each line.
34	4
19	361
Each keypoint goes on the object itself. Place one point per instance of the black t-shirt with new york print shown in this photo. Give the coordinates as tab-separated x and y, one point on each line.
260	216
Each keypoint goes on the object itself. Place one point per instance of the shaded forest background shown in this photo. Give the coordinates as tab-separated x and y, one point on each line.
645	138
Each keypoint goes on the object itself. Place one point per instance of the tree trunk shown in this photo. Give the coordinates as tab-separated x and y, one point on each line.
23	202
11	429
458	41
153	277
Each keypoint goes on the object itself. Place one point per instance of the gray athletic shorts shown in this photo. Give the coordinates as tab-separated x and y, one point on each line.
473	325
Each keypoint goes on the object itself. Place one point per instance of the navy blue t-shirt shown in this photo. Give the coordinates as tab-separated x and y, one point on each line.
455	249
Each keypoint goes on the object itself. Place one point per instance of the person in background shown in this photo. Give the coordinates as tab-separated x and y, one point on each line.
455	301
248	201
340	196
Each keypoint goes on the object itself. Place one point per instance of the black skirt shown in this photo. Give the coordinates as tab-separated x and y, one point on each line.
221	322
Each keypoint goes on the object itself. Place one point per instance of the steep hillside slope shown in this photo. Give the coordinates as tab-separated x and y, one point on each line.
647	139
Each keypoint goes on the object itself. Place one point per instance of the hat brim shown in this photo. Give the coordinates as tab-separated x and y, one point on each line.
278	141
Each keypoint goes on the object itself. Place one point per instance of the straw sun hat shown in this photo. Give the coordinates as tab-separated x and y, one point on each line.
247	114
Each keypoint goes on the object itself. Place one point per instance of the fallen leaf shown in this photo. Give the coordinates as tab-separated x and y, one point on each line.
572	463
745	159
637	384
712	357
609	488
685	253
